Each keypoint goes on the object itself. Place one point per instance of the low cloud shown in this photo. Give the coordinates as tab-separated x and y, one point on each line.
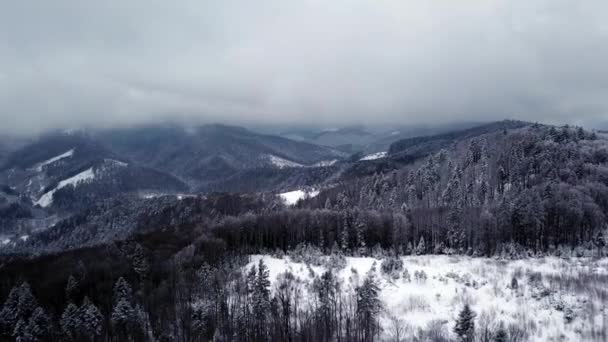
68	63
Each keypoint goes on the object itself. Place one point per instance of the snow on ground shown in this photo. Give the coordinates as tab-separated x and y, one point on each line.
374	156
54	159
325	163
47	198
555	299
114	162
292	197
281	162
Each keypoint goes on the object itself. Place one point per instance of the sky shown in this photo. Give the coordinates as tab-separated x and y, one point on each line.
73	63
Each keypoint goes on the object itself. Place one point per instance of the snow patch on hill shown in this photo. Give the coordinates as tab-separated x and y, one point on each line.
66	154
47	198
281	162
292	197
553	299
324	163
374	156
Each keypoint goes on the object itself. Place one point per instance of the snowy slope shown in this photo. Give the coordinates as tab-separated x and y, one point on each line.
292	197
281	162
374	156
544	300
67	154
47	198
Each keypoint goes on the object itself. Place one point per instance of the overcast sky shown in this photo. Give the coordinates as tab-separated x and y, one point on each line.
67	63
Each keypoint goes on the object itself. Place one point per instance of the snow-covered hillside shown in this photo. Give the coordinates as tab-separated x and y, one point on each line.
545	299
85	176
292	197
67	154
282	162
374	156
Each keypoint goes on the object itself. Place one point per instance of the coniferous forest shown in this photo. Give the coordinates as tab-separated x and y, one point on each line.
161	269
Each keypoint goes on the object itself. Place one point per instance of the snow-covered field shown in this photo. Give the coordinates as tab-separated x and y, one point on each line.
551	299
292	197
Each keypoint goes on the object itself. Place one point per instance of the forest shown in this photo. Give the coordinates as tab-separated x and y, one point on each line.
178	273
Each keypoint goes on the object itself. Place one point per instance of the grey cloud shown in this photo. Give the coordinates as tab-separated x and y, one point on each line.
68	63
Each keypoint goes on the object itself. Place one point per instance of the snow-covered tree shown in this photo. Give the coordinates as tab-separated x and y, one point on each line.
123	316
9	314
360	234
18	306
421	248
39	325
261	292
122	290
369	304
92	319
71	288
140	262
70	322
20	331
465	324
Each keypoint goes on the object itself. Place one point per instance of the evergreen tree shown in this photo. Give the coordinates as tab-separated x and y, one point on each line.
122	290
360	232
344	236
70	322
39	325
27	301
123	317
71	288
421	248
465	324
92	319
19	332
18	306
9	314
261	299
140	262
368	304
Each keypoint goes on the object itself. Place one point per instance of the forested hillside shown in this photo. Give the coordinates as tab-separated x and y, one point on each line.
175	268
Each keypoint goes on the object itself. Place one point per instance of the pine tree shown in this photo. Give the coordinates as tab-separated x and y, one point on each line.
18	306
368	304
344	236
71	288
27	301
140	262
19	333
421	248
261	299
122	290
38	326
123	315
465	324
327	204
360	232
70	321
9	314
92	319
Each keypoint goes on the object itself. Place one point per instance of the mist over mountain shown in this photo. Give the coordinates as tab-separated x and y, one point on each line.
307	170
